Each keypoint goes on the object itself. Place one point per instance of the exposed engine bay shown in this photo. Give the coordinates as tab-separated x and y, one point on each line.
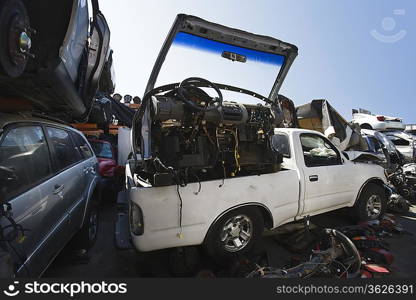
196	137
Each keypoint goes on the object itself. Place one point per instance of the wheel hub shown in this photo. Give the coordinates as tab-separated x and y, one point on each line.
16	38
236	233
235	230
374	206
20	42
25	43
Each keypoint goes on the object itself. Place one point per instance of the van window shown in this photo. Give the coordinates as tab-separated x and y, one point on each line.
24	160
64	150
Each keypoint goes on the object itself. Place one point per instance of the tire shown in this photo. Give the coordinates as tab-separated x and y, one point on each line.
364	210
250	221
87	236
12	13
366	126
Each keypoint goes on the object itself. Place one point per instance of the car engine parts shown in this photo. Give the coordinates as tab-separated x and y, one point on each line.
195	137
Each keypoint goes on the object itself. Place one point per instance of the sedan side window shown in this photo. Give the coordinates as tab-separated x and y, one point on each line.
24	160
64	150
82	145
399	141
318	151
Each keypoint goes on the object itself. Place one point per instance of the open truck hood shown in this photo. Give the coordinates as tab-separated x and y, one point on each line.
253	47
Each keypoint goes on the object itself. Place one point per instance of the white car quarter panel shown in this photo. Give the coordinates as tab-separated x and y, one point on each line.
278	192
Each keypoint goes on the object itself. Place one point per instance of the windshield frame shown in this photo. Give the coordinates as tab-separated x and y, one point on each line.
199	27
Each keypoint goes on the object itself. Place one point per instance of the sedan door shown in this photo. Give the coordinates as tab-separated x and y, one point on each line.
88	172
35	201
69	164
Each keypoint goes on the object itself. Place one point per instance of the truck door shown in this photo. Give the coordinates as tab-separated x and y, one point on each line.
328	182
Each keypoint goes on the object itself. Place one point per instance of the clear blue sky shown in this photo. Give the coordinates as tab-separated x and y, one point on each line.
354	53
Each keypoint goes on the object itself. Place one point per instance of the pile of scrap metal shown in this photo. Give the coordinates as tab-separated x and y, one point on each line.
401	176
402	188
339	258
54	65
346	252
374	251
106	110
319	115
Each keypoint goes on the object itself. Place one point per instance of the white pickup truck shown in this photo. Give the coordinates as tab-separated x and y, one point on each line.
228	216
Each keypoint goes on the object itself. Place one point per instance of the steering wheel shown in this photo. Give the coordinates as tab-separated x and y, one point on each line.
189	87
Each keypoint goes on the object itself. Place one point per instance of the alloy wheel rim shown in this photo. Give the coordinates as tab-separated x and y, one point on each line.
374	206
236	233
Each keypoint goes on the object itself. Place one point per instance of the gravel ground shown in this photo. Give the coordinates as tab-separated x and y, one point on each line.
105	261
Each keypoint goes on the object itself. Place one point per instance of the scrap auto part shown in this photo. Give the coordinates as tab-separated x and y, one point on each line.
341	253
15	38
184	130
185	134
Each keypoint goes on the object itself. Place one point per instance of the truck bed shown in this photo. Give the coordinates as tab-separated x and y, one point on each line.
273	193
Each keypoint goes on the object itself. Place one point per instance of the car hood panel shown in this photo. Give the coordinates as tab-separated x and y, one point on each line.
198	27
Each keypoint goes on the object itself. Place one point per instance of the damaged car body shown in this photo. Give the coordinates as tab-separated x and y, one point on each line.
211	166
319	115
200	126
60	62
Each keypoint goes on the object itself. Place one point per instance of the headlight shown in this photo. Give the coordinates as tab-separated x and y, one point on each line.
136	219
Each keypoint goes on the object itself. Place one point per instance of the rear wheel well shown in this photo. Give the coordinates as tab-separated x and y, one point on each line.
366	126
266	214
93	200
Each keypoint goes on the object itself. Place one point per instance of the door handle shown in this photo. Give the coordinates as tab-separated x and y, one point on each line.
86	170
58	189
313	178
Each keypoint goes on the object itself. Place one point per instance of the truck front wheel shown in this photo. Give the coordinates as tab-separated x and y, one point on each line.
235	233
371	204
